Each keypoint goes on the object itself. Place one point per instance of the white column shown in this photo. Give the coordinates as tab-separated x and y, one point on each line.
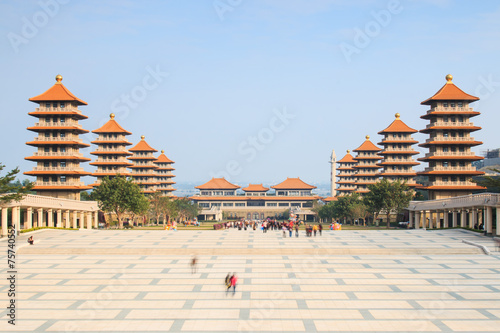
66	219
89	220
488	223
446	219
417	220
454	218
39	217
59	218
474	217
424	219
15	218
96	219
82	220
75	218
5	223
498	222
50	218
29	213
412	217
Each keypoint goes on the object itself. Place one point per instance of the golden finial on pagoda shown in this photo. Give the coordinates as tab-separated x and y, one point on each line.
142	137
367	137
348	151
162	151
112	116
58	78
397	115
449	77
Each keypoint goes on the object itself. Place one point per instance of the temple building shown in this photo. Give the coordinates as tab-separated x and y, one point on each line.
346	179
219	199
143	168
367	170
164	174
450	158
111	151
398	153
58	144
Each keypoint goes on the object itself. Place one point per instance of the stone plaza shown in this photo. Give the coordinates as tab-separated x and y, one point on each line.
342	281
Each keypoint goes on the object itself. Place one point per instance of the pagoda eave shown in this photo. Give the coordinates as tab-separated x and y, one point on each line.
463	158
121	142
121	153
455	188
57	128
449	143
62	188
61	143
429	115
467	128
69	172
409	142
43	158
74	114
390	152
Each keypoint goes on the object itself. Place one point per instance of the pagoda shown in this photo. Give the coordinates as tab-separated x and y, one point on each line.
367	170
450	158
143	168
58	144
111	151
164	174
398	154
346	180
255	190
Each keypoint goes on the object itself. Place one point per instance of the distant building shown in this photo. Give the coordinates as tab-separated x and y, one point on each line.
58	144
164	174
143	168
367	169
398	154
346	178
450	158
218	198
111	151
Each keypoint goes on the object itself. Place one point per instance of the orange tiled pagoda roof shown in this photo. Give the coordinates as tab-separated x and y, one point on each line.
347	158
329	199
450	92
58	92
255	188
218	184
398	126
163	158
293	184
142	146
367	146
111	127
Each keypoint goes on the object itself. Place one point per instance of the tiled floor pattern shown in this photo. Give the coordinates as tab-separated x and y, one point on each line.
313	292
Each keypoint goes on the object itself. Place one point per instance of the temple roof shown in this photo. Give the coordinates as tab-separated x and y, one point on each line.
111	127
367	146
58	92
142	146
398	126
450	92
255	188
163	158
293	184
218	184
347	158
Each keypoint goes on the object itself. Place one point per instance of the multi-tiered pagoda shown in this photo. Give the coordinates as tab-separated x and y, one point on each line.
58	144
367	170
450	157
111	151
164	174
346	175
143	168
398	152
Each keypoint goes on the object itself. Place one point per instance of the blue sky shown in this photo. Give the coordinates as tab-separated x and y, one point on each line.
254	90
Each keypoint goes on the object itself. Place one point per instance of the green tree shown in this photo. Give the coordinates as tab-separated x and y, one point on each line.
119	195
10	190
156	203
343	207
186	209
391	197
490	182
85	196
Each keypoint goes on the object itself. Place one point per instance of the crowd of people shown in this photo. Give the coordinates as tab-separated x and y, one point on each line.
287	227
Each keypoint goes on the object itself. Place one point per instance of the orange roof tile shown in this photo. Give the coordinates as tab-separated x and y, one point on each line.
111	127
398	126
163	158
347	158
255	188
293	184
450	92
328	199
367	146
218	184
142	146
58	92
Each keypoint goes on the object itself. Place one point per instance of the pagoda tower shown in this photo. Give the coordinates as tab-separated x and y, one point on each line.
164	174
367	170
58	144
346	177
111	151
143	168
450	157
398	154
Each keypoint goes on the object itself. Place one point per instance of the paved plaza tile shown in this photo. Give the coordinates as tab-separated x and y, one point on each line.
342	281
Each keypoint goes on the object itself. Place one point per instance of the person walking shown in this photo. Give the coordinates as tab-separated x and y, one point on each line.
290	229
320	228
234	279
193	265
284	230
227	282
297	230
315	228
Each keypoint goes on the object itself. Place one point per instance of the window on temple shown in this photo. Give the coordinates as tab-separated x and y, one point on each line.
444	178
453	178
63	119
63	134
45	178
62	105
461	149
47	134
445	134
63	179
54	149
54	178
63	149
47	105
462	178
445	105
54	105
452	105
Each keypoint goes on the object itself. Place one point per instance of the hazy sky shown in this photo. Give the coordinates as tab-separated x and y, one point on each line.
255	90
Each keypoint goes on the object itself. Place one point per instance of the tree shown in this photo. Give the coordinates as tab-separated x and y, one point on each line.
343	207
119	195
85	196
13	191
491	182
390	197
156	203
186	208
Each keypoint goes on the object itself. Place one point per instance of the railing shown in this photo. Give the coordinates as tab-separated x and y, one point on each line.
119	138
441	168
449	124
451	153
450	183
59	124
452	109
58	109
473	200
117	150
42	183
38	201
66	138
389	149
451	139
123	160
62	154
69	168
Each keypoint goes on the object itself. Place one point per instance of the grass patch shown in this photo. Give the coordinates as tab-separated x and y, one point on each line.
40	228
